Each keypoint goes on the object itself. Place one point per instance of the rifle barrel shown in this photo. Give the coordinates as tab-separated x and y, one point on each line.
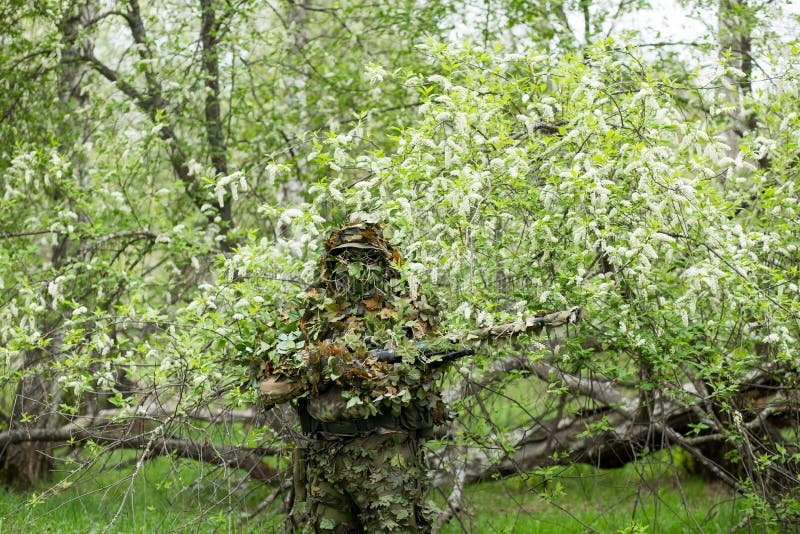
390	356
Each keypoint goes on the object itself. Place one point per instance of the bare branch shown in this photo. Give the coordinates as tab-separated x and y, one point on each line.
112	76
601	391
27	234
102	16
248	459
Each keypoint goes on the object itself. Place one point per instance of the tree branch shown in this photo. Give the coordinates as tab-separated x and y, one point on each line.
152	103
248	459
209	38
601	391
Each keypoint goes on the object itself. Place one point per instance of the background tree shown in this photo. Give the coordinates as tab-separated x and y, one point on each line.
168	170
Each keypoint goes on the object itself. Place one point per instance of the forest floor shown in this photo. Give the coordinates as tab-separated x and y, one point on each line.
649	496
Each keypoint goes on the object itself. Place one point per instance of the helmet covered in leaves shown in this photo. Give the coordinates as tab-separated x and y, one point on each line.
359	262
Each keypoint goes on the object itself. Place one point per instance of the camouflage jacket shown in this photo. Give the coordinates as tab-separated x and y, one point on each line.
324	356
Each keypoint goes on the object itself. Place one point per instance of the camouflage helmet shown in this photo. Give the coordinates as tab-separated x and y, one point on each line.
359	261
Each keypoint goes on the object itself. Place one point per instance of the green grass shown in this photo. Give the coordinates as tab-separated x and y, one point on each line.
657	494
165	496
583	499
170	496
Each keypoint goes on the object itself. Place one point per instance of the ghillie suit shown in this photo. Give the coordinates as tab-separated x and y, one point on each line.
359	466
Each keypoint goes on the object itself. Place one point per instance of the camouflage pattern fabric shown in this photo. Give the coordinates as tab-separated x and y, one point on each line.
335	335
359	466
375	483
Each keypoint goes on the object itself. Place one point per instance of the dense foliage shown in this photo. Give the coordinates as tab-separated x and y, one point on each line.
169	172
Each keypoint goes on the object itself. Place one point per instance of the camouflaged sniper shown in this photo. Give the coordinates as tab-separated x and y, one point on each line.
359	304
359	465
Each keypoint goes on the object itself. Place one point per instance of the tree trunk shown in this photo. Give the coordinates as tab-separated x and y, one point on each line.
210	34
735	48
37	395
25	463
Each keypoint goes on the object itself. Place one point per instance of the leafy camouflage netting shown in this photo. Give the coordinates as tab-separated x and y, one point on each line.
360	304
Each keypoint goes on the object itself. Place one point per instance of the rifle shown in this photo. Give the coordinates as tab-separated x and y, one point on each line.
523	325
437	358
434	358
276	389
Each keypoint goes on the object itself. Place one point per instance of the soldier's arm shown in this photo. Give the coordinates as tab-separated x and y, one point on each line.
277	390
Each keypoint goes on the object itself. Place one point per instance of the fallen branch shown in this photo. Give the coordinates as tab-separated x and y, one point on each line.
610	432
249	459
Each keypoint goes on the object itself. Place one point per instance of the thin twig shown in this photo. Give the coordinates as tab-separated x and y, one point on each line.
135	473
